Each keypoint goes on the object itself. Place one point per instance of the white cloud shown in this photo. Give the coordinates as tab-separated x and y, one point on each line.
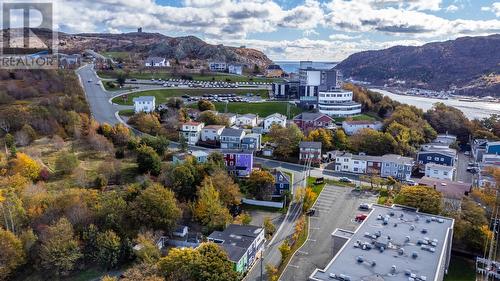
495	8
452	8
342	37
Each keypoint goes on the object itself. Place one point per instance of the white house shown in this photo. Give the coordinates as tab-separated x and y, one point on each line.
191	131
352	127
246	120
235	69
156	62
211	133
231	118
274	119
144	104
441	172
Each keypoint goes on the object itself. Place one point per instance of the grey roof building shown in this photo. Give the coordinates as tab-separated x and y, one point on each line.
310	144
392	244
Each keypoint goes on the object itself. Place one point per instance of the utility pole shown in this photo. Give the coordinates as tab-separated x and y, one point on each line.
261	265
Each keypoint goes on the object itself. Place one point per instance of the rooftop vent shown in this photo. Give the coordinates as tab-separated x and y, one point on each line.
395	224
391	213
412	227
373	263
393	269
417	217
381	249
428	220
424	230
401	251
414	255
407	239
360	259
423	278
407	272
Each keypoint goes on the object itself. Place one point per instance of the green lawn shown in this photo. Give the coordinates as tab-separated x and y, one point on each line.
163	74
317	188
126	112
261	108
164	94
116	55
364	117
108	86
461	269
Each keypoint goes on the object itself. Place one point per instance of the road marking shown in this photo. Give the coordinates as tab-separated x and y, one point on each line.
302	252
312	240
296	266
315	228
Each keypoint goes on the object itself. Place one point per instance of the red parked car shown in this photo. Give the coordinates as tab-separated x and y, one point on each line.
360	217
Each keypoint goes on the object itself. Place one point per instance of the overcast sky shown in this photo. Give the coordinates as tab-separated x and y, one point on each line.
327	30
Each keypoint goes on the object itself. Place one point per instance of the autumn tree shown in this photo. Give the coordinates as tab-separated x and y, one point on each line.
25	166
372	142
182	178
211	118
261	184
147	251
229	191
156	208
447	119
180	264
322	135
148	160
413	119
426	199
108	245
307	196
269	227
285	249
471	230
204	105
209	209
158	143
340	140
12	254
59	249
146	122
286	139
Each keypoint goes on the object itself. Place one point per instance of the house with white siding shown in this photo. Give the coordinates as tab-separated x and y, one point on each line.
144	104
246	120
441	172
274	119
191	131
211	133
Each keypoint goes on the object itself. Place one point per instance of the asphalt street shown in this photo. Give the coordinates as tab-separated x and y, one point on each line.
336	207
97	97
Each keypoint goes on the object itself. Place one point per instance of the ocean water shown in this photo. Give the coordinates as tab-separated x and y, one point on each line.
293	66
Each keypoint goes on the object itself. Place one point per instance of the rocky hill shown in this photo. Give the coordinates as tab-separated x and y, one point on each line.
188	47
471	65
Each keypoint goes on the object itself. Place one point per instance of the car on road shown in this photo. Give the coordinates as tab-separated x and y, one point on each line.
467	153
472	169
311	212
360	217
411	182
345	179
364	206
90	81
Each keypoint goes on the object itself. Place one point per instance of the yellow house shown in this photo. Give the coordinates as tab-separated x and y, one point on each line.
273	71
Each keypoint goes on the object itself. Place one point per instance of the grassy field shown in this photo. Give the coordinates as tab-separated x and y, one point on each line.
361	117
262	108
317	188
164	94
461	269
116	55
194	76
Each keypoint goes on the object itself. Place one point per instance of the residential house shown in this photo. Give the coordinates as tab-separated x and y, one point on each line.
144	104
352	127
238	162
282	183
252	142
211	133
274	71
246	120
437	171
274	119
243	244
231	118
313	120
453	191
445	139
493	147
156	62
199	155
310	151
235	69
180	158
191	131
217	66
436	154
397	167
231	138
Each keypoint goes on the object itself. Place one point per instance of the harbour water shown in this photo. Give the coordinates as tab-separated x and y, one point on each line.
473	110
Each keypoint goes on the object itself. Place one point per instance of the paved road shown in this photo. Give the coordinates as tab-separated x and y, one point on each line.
462	163
97	97
336	207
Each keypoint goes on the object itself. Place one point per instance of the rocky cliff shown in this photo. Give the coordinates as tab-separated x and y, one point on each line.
471	65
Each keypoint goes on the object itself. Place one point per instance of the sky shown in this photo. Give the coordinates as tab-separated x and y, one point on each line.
326	30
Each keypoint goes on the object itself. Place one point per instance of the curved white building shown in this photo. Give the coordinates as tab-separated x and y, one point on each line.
338	103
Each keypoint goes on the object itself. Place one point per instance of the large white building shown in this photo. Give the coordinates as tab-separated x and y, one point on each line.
441	172
144	104
338	103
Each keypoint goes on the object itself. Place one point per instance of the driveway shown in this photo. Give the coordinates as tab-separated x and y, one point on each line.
462	163
336	207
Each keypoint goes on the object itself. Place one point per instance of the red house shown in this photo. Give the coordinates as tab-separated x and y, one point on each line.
313	120
310	151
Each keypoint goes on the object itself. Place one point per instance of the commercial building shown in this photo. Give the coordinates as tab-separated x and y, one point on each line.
286	90
242	243
156	62
217	66
144	104
314	80
395	243
338	103
353	126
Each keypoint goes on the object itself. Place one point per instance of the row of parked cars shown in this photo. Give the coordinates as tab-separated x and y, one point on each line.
202	84
219	98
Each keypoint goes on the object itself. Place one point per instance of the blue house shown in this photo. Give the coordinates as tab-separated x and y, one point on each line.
493	147
437	155
282	183
251	142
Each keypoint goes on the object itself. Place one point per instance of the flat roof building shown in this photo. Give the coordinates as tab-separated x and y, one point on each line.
392	244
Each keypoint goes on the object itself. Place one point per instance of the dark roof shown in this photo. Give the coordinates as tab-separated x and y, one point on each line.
310	144
310	116
155	59
286	177
232	132
237	238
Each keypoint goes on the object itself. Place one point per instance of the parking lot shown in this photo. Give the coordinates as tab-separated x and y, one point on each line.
336	207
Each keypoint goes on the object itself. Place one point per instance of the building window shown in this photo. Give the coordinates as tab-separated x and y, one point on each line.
429	158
